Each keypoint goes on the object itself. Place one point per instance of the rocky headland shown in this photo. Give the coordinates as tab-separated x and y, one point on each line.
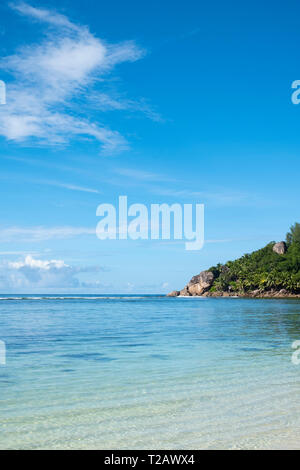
271	272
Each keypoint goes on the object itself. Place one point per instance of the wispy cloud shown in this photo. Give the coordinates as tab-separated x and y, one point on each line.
142	175
49	77
16	253
136	178
38	234
218	198
42	14
9	234
71	187
45	182
115	102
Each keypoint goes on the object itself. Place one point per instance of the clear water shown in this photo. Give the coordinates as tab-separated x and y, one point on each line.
149	372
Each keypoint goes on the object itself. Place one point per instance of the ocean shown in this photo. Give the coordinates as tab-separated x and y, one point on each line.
148	372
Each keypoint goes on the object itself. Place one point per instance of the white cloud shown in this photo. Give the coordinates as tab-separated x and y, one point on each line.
37	264
35	273
50	75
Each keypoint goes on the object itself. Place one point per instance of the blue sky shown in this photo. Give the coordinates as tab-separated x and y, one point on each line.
185	102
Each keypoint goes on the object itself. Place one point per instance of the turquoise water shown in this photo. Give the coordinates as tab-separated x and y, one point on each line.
149	372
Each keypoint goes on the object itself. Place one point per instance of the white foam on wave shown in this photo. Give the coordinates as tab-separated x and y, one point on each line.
191	297
82	298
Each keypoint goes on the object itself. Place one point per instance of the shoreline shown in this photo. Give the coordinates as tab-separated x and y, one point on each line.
241	295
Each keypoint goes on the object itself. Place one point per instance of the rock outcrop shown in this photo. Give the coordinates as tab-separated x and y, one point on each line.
174	293
201	282
198	285
255	294
184	292
280	248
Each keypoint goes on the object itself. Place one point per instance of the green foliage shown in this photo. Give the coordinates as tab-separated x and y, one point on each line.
293	235
262	269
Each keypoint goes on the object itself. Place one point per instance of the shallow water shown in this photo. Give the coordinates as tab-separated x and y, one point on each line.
117	372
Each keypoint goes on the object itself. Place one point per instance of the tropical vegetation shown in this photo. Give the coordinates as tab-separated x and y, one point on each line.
263	270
